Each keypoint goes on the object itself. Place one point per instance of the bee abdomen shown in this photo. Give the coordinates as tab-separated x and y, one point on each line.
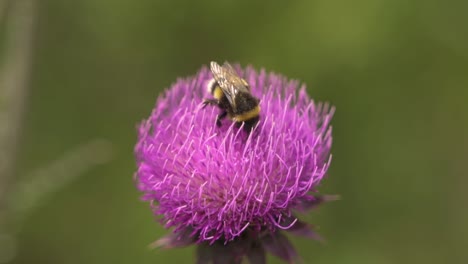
247	115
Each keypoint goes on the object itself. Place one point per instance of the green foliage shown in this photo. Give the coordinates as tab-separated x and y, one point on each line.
395	70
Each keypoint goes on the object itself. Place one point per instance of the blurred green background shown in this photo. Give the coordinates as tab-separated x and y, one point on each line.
396	70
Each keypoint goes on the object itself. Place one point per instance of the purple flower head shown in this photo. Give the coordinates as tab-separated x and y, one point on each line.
228	190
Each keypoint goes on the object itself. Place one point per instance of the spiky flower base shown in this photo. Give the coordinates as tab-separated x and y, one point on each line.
251	244
229	191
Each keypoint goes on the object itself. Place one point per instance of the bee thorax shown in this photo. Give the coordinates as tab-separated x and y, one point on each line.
211	85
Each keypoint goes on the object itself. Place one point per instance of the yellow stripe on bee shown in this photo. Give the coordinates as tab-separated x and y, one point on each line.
247	115
218	93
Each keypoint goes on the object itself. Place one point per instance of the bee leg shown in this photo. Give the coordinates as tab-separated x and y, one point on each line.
220	117
209	102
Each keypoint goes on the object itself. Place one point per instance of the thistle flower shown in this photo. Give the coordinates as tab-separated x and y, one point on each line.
230	192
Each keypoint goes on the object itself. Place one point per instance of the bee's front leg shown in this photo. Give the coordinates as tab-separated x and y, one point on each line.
209	102
220	117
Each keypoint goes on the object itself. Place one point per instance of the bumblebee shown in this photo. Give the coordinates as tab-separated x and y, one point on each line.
232	95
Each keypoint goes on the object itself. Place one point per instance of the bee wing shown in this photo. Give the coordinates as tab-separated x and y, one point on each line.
237	81
231	84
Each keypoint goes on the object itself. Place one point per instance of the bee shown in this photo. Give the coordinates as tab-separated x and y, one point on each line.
232	95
